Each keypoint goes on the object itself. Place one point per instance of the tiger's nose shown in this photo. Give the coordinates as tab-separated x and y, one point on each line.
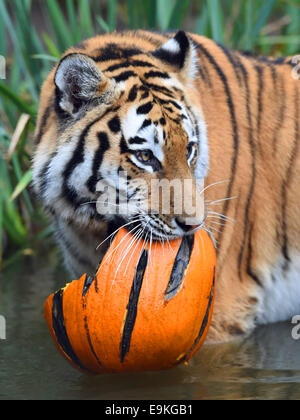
185	226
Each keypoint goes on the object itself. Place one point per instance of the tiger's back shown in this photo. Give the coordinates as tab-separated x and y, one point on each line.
244	112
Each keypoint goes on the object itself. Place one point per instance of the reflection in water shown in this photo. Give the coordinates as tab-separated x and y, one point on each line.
265	365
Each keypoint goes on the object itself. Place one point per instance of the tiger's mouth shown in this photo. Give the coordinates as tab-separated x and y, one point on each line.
153	228
156	221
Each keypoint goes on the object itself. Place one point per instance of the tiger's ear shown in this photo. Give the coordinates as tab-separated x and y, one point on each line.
180	53
78	81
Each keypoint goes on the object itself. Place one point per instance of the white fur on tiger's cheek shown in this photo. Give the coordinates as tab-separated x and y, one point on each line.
55	172
110	174
82	173
39	162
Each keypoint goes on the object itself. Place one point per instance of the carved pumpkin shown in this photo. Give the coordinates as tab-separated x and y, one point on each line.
148	310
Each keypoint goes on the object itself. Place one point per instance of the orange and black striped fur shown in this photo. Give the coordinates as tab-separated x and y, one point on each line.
180	106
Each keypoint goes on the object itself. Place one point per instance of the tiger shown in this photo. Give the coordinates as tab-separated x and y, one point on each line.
179	106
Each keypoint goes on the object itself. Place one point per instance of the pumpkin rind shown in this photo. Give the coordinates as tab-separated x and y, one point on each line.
146	312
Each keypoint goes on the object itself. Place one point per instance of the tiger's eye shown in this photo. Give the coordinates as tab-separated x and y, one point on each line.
145	156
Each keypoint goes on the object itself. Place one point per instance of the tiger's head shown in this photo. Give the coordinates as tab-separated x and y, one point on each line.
129	122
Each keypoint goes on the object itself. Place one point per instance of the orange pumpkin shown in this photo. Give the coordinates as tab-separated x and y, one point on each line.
146	311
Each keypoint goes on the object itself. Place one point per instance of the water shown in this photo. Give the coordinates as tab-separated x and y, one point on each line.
263	366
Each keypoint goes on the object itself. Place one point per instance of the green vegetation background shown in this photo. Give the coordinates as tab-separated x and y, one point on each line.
33	35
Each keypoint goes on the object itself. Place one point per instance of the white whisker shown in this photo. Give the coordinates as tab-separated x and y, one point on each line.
215	242
214	229
124	256
115	249
168	241
220	201
221	216
136	219
139	234
213	185
217	223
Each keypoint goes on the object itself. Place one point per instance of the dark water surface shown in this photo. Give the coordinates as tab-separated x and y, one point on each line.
263	366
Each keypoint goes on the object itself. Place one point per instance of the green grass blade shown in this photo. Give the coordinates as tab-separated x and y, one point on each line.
51	46
293	28
178	14
28	36
216	19
86	25
8	108
11	217
28	40
1	227
58	21
140	14
249	22
21	181
27	4
262	16
280	39
202	22
45	57
22	185
73	21
15	230
112	15
164	10
46	233
151	13
18	52
103	25
2	36
16	100
131	14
